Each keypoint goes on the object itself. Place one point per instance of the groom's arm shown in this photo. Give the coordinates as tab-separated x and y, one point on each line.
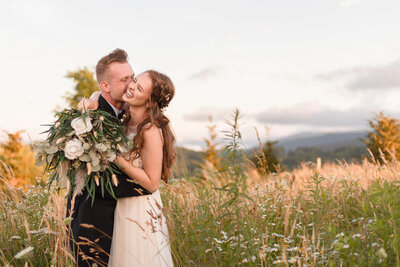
127	188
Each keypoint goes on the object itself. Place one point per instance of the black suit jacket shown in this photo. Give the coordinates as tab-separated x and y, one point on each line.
94	242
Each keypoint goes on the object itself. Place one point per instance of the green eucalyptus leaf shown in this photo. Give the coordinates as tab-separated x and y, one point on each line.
51	149
101	147
85	158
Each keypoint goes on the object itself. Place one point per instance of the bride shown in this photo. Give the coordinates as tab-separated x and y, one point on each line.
140	232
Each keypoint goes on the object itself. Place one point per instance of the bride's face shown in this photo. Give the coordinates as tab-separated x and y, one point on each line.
139	90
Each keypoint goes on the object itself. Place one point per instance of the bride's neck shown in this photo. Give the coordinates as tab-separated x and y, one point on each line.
138	114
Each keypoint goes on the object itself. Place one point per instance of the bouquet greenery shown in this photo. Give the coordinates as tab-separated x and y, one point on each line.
80	148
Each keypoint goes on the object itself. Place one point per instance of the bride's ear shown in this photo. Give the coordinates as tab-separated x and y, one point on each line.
105	86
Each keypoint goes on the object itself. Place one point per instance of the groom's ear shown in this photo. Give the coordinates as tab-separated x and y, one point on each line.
105	86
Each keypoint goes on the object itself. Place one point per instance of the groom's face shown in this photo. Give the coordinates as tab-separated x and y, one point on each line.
119	76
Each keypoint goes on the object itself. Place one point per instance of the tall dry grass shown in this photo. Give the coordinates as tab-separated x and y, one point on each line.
32	225
347	214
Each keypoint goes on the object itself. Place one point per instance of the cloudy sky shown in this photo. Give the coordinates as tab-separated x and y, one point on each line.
292	66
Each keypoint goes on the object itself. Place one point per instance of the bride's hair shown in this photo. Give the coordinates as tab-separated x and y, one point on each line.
162	92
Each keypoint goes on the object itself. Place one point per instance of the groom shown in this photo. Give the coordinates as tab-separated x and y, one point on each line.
92	226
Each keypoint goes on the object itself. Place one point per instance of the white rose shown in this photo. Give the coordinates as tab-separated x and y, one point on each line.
73	149
80	127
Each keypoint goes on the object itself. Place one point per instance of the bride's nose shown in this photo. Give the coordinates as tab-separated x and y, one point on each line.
132	86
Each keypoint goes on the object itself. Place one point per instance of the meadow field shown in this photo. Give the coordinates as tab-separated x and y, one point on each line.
334	214
342	215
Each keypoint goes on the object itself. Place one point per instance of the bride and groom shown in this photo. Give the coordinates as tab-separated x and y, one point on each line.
132	230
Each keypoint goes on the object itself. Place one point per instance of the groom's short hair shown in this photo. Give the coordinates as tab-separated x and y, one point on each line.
118	55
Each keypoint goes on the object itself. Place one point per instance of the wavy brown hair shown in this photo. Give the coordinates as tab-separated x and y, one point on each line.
162	92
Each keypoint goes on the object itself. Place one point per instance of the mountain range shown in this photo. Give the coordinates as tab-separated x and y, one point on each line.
296	148
324	141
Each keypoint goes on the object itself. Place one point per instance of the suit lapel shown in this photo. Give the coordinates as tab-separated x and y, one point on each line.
103	105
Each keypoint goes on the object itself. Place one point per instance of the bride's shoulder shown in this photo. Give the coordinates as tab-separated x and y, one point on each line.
152	132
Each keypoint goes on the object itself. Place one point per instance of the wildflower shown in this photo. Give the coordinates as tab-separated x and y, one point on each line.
208	250
14	237
356	235
218	241
382	253
340	234
23	252
346	246
43	231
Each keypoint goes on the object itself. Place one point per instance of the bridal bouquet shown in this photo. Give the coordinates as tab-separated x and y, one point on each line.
80	148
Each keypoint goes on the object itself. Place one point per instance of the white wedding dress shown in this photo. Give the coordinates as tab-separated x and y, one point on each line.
140	236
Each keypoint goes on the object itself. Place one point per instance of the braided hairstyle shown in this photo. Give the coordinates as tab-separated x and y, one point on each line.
162	92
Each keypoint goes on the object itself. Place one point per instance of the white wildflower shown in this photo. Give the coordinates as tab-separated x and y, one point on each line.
23	252
382	253
218	241
14	237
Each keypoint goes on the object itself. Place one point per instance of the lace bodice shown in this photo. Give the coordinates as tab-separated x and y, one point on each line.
131	133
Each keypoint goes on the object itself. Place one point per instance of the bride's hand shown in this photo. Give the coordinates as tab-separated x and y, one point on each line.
87	104
120	161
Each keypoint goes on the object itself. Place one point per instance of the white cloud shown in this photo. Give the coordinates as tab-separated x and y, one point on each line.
309	113
384	76
206	73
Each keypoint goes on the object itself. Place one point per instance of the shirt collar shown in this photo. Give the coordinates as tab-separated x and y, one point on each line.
116	111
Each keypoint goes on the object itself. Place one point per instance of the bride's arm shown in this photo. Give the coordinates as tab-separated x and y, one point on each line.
91	103
152	155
